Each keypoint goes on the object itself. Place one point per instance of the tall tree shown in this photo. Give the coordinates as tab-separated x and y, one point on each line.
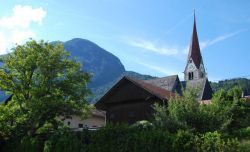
46	84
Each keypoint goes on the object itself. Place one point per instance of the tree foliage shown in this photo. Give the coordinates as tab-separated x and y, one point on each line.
226	112
227	85
45	84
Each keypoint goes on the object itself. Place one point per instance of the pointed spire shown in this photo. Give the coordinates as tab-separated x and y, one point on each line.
194	17
194	49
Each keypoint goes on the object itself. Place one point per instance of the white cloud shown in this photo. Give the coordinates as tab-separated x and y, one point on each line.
3	43
162	70
18	36
154	47
207	43
16	29
23	16
156	68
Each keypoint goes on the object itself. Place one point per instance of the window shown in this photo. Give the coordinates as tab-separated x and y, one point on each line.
80	125
202	74
190	61
190	76
68	123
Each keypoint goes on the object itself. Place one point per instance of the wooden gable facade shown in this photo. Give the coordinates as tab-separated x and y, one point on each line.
131	100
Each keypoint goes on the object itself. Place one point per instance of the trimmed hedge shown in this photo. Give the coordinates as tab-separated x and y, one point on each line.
125	139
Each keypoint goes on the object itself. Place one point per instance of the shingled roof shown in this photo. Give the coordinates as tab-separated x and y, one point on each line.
194	50
158	92
165	82
153	89
202	86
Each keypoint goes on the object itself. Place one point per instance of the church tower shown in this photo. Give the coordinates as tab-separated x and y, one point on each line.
195	68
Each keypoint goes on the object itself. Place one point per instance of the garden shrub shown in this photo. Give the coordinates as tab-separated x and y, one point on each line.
184	141
212	141
245	146
124	138
26	144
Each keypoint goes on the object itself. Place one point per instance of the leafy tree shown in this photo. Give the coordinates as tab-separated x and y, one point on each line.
217	115
46	85
226	112
212	141
185	110
11	119
227	85
180	113
184	141
231	108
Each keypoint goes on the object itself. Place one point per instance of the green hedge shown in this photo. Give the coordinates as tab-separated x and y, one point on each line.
125	139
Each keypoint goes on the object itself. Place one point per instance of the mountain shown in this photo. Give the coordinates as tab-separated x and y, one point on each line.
104	66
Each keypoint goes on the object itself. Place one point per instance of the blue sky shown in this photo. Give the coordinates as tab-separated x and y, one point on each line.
149	36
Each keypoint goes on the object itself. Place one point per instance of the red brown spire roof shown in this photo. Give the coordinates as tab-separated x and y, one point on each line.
194	49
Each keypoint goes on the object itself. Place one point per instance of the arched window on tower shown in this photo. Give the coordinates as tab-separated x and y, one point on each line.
190	76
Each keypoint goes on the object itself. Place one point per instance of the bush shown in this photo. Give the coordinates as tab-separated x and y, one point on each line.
184	141
27	144
123	138
212	141
243	133
144	124
245	146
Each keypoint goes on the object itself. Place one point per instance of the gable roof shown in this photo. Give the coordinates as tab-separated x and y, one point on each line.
160	93
154	90
202	86
167	83
207	91
194	49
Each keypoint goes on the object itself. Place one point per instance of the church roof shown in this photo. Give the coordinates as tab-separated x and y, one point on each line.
202	86
207	91
167	83
194	49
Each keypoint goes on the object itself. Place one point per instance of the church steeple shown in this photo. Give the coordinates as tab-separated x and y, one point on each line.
194	50
194	68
